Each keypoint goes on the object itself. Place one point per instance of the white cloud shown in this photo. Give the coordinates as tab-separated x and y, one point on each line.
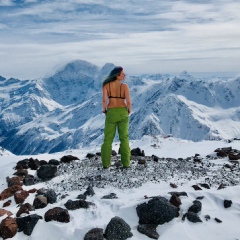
142	35
6	3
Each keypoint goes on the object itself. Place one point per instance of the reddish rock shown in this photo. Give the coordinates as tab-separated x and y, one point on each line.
21	172
233	157
175	200
8	228
220	153
32	190
7	203
8	192
20	196
57	214
19	166
25	208
3	212
14	181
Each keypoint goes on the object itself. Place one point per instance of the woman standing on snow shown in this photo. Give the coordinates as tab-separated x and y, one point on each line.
117	105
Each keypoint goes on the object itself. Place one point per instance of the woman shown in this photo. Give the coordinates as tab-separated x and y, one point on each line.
116	105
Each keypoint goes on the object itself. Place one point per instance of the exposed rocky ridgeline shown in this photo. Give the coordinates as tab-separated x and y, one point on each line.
87	174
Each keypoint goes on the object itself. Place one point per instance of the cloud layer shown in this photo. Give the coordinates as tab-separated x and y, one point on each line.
147	36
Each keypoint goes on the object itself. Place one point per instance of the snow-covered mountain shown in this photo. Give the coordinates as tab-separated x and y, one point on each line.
63	111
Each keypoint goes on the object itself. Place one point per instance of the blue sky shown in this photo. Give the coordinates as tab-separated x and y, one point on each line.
143	36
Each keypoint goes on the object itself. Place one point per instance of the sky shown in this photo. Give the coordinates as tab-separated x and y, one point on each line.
143	36
82	220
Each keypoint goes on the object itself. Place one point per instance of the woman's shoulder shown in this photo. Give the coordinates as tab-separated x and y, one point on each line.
125	86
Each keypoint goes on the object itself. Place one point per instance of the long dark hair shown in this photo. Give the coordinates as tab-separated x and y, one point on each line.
113	75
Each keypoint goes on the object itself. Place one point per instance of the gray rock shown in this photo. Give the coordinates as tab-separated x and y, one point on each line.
27	224
157	211
193	217
47	172
196	207
148	230
94	234
117	229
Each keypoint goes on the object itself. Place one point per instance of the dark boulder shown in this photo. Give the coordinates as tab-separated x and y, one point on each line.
205	185
54	162
110	196
57	214
23	163
196	187
27	224
51	196
81	197
47	172
33	164
73	205
117	229
157	211
227	203
137	152
43	162
68	158
94	234
193	217
155	158
178	194
148	230
29	180
218	220
196	207
89	191
90	155
40	202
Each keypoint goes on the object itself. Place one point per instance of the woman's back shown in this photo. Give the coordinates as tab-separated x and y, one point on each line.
116	94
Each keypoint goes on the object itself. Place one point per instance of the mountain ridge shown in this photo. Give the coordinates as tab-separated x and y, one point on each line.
63	111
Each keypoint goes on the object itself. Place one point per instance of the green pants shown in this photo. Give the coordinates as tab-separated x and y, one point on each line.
116	118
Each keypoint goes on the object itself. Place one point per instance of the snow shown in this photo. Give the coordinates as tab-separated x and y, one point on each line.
82	220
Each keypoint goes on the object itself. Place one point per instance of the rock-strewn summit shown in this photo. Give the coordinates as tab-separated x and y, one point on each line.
87	174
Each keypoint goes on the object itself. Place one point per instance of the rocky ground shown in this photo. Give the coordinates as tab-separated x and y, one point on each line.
209	171
218	170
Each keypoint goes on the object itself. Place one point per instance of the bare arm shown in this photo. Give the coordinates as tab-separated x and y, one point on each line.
128	98
104	99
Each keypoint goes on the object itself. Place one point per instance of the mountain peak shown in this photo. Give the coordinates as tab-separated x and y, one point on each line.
79	66
185	76
2	78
